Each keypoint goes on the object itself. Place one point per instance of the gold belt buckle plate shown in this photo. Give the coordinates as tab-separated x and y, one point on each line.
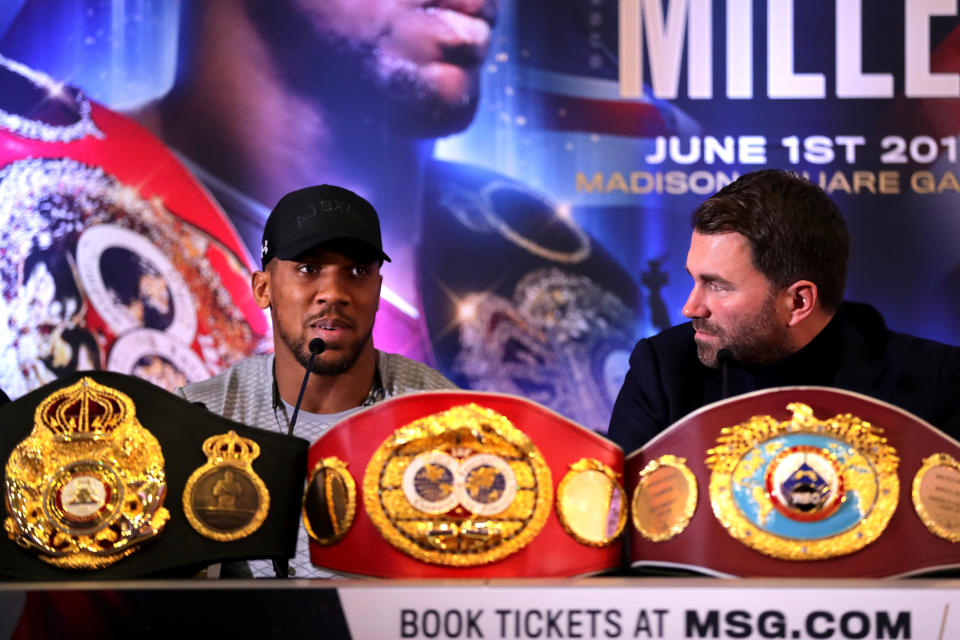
803	488
463	487
86	487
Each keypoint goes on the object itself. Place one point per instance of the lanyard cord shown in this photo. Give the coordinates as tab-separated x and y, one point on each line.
376	394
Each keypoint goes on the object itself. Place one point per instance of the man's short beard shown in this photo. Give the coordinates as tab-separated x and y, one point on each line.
380	88
300	349
760	341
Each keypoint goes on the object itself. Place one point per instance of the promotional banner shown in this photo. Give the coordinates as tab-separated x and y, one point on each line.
534	164
671	611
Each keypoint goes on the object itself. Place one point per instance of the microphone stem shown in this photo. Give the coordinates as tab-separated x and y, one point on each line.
303	387
724	357
724	381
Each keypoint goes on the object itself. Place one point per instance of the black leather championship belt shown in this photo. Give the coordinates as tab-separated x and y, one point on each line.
108	476
463	484
797	481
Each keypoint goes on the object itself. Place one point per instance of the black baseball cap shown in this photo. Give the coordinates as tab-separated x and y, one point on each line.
307	217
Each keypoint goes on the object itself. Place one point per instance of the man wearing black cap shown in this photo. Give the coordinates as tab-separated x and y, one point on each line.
321	256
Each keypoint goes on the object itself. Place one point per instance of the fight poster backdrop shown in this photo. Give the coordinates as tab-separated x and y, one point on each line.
534	163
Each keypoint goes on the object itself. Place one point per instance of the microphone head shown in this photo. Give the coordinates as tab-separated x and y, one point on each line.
724	356
317	346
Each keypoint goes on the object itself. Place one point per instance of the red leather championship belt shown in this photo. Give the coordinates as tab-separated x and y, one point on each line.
797	481
112	255
463	484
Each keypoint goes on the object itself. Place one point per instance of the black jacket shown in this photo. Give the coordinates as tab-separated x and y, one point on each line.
855	351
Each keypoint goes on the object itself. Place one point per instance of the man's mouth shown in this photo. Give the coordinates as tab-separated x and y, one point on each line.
485	10
704	331
461	28
466	29
704	337
329	327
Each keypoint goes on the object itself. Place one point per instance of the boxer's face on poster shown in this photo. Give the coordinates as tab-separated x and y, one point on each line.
422	56
732	305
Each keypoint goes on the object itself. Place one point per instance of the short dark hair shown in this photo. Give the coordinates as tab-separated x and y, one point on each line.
795	230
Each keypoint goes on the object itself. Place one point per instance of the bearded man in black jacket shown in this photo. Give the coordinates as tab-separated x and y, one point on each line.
768	257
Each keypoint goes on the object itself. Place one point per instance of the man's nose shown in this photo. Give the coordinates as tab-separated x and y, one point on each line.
695	307
333	289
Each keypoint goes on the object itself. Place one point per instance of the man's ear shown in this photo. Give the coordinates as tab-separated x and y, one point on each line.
260	285
379	288
802	299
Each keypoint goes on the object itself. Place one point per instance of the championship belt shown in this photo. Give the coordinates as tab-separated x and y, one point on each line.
112	255
797	482
108	476
463	484
87	486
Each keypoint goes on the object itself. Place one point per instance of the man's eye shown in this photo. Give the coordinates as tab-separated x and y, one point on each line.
361	270
716	286
308	268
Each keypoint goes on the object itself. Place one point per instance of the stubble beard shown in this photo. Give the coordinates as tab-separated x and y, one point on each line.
761	340
418	110
300	349
417	106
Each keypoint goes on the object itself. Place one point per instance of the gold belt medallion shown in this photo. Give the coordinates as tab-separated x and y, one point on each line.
665	498
936	495
225	499
803	488
591	504
460	488
86	487
330	501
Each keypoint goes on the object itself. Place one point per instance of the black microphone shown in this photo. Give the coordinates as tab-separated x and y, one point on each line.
316	346
724	358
